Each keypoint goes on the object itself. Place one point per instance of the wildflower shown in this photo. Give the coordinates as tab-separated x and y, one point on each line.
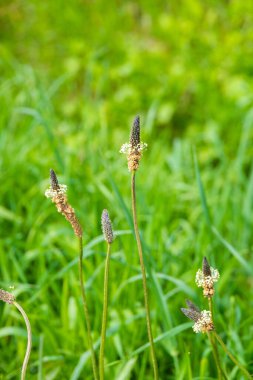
57	193
135	147
206	278
107	227
6	296
203	319
52	193
55	189
204	323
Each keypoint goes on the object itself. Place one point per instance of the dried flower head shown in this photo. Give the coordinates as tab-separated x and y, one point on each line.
6	297
203	319
107	227
135	147
206	278
58	195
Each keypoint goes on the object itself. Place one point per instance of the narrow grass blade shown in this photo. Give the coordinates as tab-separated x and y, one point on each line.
201	191
40	361
224	242
168	334
125	372
232	250
36	115
122	203
161	302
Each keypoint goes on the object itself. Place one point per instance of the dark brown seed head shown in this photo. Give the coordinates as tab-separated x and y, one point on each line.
54	180
135	133
107	227
6	296
191	314
206	267
191	306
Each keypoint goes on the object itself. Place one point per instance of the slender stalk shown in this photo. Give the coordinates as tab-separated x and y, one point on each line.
234	360
221	373
86	312
29	340
104	318
144	280
210	303
216	356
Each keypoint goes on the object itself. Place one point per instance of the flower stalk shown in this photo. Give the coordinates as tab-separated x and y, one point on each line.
234	360
86	310
144	279
58	195
29	340
10	299
108	236
214	345
216	356
134	150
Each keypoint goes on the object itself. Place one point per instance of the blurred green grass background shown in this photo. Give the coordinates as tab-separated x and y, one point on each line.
73	76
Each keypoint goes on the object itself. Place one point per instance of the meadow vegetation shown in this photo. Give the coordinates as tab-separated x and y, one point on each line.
73	76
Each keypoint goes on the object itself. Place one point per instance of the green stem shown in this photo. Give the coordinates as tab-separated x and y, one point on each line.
144	280
104	318
29	340
215	355
210	303
214	345
247	374
86	312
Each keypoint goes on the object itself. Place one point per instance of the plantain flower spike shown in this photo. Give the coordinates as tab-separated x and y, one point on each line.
6	297
203	319
57	193
206	278
192	306
107	227
135	147
54	180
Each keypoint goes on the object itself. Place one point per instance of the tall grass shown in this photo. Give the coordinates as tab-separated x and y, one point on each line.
183	237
